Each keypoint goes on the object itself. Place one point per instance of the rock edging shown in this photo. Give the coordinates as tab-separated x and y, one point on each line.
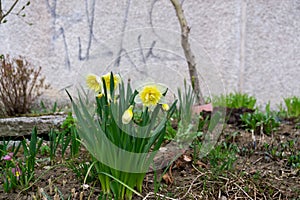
22	126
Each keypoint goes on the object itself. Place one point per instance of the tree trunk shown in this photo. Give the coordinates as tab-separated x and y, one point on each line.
190	58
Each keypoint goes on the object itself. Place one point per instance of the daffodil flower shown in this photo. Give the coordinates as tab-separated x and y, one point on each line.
117	80
127	115
94	82
151	94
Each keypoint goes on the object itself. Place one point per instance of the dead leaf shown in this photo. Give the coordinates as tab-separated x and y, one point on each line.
167	179
187	158
178	163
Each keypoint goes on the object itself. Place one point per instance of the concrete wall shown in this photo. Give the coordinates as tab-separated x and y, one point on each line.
251	46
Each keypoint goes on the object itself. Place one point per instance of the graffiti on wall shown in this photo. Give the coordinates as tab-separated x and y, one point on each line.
85	42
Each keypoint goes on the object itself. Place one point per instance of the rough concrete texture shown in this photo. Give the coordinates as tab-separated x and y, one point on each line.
21	126
240	45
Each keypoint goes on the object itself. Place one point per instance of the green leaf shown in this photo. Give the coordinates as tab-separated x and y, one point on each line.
122	183
112	85
33	142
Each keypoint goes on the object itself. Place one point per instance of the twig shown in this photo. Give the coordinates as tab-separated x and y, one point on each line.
156	194
190	187
243	191
257	160
2	16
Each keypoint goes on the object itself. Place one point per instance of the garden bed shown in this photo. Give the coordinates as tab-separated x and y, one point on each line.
237	168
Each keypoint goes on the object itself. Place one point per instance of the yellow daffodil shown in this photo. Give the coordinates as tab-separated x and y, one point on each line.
127	115
151	94
94	82
165	107
117	80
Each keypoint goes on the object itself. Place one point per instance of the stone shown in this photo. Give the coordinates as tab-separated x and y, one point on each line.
22	126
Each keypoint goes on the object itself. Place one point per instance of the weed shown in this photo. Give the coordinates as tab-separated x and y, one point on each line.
45	149
292	109
20	171
43	109
260	122
170	131
256	176
83	171
222	157
294	160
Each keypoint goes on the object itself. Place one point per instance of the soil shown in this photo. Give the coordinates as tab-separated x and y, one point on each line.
256	173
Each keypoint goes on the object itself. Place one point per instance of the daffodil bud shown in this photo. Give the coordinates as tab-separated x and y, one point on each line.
165	107
100	95
127	115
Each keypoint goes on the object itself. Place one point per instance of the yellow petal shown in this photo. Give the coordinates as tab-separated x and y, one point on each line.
93	82
127	115
117	80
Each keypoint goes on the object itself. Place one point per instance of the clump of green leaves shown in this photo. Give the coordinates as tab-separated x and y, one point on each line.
122	142
186	101
70	135
260	122
20	85
67	137
292	105
294	160
235	100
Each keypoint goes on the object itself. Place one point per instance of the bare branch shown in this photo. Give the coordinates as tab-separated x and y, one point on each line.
2	15
190	58
1	12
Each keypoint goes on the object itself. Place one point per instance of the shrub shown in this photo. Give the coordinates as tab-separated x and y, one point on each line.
20	85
